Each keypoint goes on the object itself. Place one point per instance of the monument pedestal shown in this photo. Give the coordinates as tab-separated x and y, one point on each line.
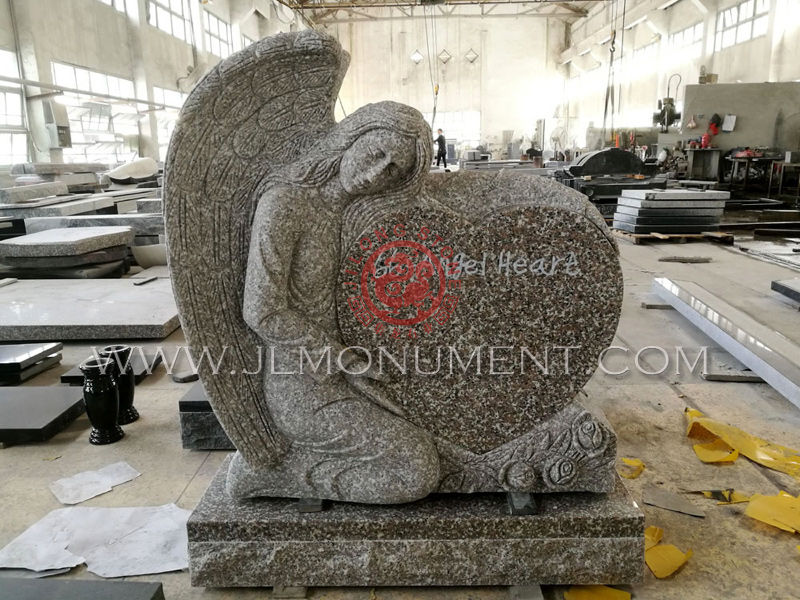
442	540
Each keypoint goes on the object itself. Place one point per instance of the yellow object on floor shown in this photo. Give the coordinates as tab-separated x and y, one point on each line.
652	535
595	592
726	496
665	559
780	458
781	510
638	468
716	452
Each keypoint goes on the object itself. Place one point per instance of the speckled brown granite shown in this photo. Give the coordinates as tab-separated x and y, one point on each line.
577	538
268	204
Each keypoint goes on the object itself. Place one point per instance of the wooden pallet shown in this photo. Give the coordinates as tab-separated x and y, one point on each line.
681	238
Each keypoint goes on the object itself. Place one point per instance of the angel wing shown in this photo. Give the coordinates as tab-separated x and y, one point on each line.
256	111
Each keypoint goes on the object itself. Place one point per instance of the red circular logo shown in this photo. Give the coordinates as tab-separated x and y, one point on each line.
403	283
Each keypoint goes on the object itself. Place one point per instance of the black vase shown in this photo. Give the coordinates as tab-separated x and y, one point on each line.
101	395
121	357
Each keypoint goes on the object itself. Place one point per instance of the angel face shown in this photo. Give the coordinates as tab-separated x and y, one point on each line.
378	160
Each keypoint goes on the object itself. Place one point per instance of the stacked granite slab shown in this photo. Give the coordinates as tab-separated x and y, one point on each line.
669	211
35	414
78	177
200	428
58	206
20	362
26	193
79	253
141	224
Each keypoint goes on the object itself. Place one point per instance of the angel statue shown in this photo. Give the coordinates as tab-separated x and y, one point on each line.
265	195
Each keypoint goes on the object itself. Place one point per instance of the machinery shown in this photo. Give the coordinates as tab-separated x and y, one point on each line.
667	114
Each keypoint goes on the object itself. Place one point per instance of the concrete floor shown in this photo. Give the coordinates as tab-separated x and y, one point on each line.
735	557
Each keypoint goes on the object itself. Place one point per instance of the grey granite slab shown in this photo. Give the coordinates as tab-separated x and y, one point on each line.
57	168
43	589
200	428
676	194
63	208
150	205
110	270
142	367
17	357
21	193
788	287
665	229
66	242
160	271
75	309
764	351
144	224
26	374
35	414
639	203
669	212
115	253
577	538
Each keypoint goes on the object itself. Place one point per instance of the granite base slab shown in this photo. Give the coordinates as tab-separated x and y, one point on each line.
141	368
639	203
57	168
150	205
442	540
666	229
86	309
789	288
60	207
21	193
66	242
35	414
142	224
41	589
670	212
106	255
676	194
43	365
200	428
109	270
667	220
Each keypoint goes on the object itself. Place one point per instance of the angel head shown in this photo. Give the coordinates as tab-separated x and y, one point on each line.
381	148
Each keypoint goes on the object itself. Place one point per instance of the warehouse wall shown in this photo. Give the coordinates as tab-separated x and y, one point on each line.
90	34
768	58
514	81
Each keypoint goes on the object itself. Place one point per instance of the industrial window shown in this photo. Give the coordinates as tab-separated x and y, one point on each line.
244	42
463	126
102	129
118	4
167	117
688	43
172	17
219	40
742	23
13	137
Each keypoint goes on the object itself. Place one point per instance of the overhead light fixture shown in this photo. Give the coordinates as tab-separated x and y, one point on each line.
666	5
605	40
417	57
585	52
471	56
636	22
444	56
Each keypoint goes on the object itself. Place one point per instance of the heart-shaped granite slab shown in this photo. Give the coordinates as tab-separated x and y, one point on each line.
498	321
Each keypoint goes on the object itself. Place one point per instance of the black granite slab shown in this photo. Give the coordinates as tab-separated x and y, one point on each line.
106	255
16	357
35	414
32	371
140	368
110	270
789	288
59	589
200	428
666	229
12	226
442	540
671	220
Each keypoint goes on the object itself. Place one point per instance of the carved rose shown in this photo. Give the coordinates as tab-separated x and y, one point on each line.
559	470
517	476
588	436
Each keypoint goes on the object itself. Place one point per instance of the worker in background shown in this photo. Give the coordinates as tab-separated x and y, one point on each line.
441	153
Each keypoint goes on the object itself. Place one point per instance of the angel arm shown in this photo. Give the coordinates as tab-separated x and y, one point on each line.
266	298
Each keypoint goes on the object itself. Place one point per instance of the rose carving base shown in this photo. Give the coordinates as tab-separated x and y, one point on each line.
572	451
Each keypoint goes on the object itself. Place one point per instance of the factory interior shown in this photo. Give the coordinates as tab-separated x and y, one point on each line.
650	147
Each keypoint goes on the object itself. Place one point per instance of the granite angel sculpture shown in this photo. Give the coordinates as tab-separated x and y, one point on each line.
263	193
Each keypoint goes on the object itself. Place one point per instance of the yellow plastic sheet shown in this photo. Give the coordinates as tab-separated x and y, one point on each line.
665	559
781	510
729	496
780	458
652	535
717	451
595	592
636	470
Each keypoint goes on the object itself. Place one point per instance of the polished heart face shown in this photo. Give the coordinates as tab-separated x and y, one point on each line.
497	324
